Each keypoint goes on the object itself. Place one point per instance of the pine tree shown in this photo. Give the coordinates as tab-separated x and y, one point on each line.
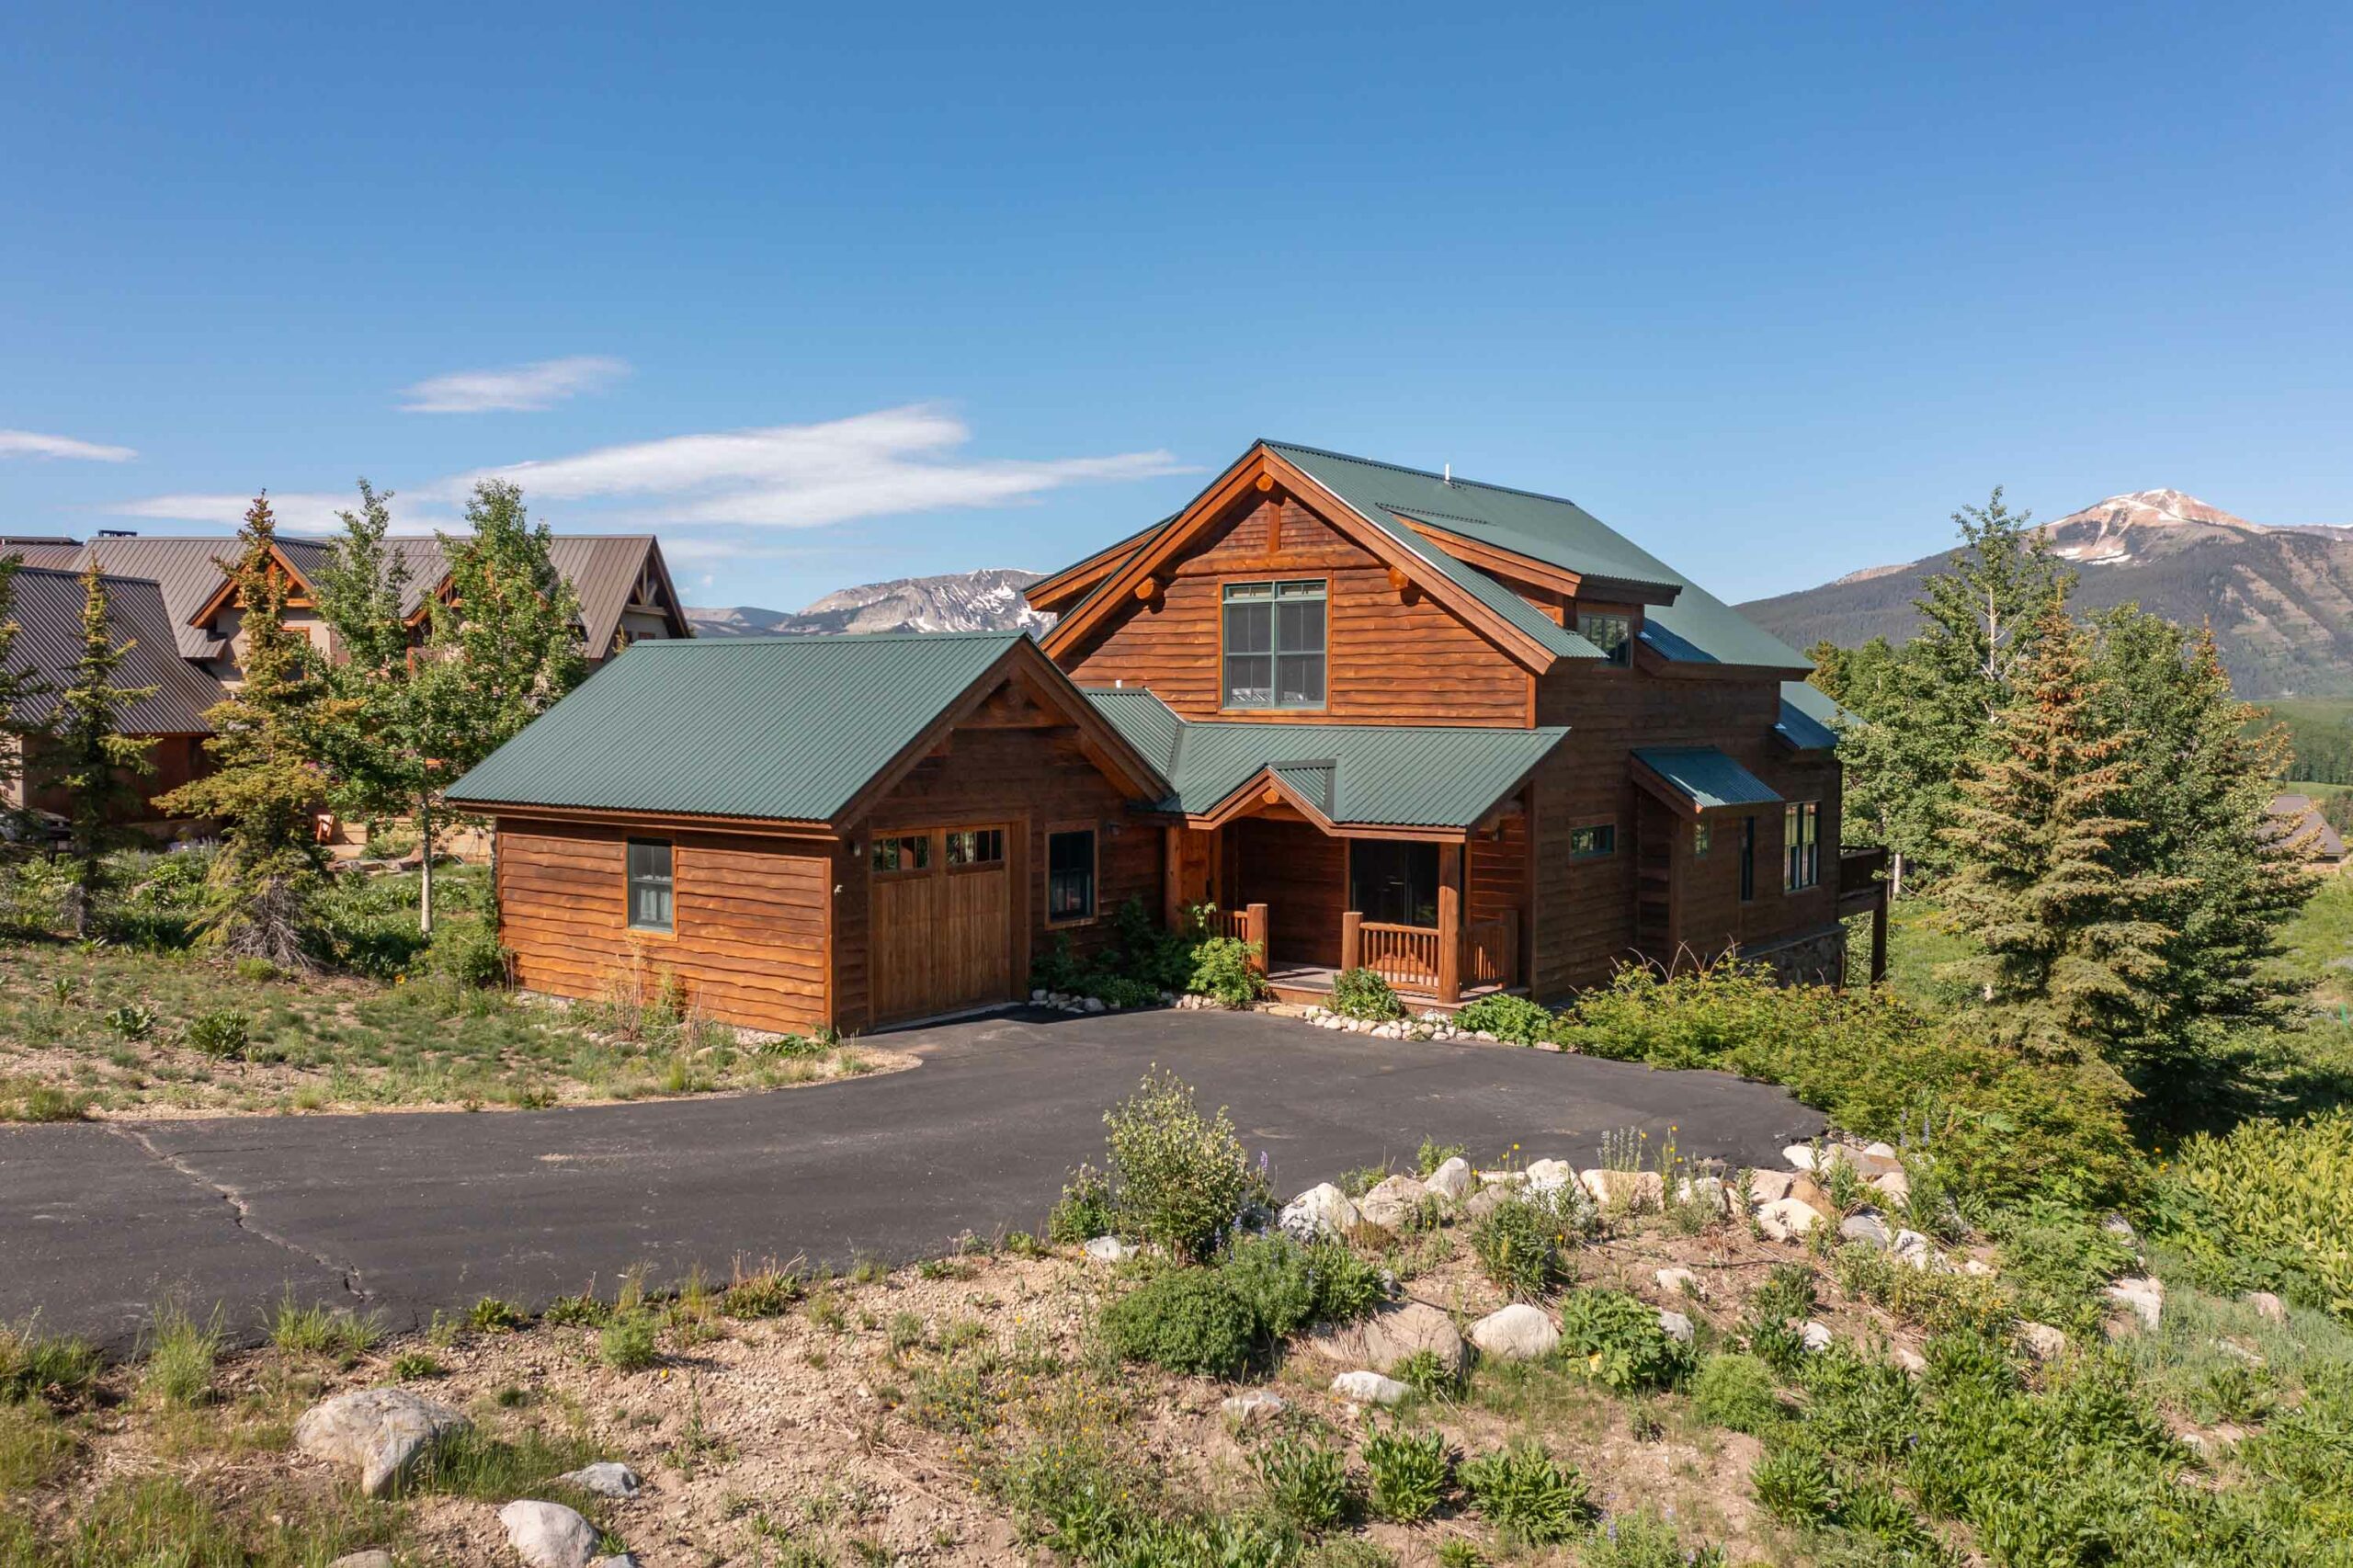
1931	706
22	723
266	782
87	754
2071	960
2201	777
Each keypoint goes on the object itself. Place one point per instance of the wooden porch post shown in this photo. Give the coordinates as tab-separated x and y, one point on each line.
1449	923
1172	877
1351	938
1254	929
1878	937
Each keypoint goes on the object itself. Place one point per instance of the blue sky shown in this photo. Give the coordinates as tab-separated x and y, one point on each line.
827	295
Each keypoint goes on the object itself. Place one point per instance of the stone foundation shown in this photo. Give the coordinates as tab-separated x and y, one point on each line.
1818	958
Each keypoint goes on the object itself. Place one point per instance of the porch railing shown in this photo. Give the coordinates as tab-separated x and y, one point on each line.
1406	956
1248	924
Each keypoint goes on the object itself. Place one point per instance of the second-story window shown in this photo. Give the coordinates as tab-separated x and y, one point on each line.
1801	845
1613	634
1274	644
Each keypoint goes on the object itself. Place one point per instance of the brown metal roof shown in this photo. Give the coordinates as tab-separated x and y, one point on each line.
41	551
603	570
184	568
48	610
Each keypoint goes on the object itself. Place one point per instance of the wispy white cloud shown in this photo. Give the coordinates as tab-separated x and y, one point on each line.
891	461
300	512
517	387
33	444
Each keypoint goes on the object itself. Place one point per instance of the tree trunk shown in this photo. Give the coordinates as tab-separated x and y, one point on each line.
424	864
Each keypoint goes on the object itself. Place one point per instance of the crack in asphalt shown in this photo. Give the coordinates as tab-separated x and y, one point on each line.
241	1211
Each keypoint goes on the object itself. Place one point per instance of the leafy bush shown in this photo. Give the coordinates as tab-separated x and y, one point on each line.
1788	1294
1084	1210
1306	1482
1433	1154
1615	1339
629	1343
1225	970
1935	1299
2268	1206
2054	1264
1529	1496
470	954
493	1315
1515	1018
413	1366
1178	1177
220	1034
583	1311
2005	1128
1185	1320
1646	1540
1522	1242
1428	1374
1735	1391
1363	994
1796	1485
131	1020
1409	1474
1288	1285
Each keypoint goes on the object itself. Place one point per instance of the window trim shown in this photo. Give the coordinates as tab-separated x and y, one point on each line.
629	889
1004	860
1748	858
1606	824
1094	874
1801	849
1274	655
901	835
1624	658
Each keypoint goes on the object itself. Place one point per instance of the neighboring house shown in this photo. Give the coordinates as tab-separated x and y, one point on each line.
49	604
2297	819
1463	734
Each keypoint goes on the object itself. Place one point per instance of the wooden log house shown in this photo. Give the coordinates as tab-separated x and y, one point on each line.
1462	735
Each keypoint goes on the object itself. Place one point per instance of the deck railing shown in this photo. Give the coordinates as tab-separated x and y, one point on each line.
1491	950
1248	924
1406	956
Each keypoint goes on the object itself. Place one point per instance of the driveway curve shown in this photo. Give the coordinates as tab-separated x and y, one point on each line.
403	1213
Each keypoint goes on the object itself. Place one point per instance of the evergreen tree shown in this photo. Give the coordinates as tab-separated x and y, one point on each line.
265	782
1931	706
2070	957
87	755
21	689
2200	780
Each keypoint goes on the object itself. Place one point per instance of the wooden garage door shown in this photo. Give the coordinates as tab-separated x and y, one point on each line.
943	913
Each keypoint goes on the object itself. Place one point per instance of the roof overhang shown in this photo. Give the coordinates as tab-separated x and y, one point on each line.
226	593
1507	563
1695	780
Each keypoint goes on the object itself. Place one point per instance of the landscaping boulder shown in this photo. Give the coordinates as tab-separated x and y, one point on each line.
1867	1228
1817	1336
1516	1333
1676	1325
1910	1361
1450	1180
618	1560
1708	1191
1391	1334
1392	1204
1980	1267
607	1479
376	1557
1108	1249
2143	1294
1625	1192
1873	1161
379	1432
1485	1201
2269	1307
1894	1186
1322	1211
1550	1175
549	1535
1787	1219
1682	1281
1370	1388
1802	1157
2041	1341
1254	1404
1770	1186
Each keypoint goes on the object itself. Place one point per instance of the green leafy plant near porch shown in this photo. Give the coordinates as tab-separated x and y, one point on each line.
1363	994
1515	1018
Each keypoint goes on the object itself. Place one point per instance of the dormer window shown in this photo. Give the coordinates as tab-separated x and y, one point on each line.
1274	644
1612	633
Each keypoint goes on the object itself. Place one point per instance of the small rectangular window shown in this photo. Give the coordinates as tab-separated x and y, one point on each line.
1593	843
1700	837
649	885
1070	875
902	852
1748	859
976	847
1274	644
1801	845
1613	634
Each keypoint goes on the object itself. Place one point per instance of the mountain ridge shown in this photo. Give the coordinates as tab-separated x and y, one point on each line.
988	599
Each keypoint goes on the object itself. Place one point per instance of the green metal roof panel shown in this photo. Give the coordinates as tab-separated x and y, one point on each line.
1373	775
1697	627
783	728
1707	776
1810	717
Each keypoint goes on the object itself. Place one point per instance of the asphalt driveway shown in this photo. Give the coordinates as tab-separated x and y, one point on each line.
403	1213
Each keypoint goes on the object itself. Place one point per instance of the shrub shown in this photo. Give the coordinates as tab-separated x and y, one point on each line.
629	1343
583	1311
2054	1264
1084	1211
1529	1496
1796	1485
1185	1320
1515	1018
1735	1391
1306	1482
768	1294
412	1365
1288	1285
1362	994
131	1020
1225	970
1522	1242
1788	1294
1935	1299
1427	1374
220	1034
2268	1206
1177	1178
1409	1474
1459	1553
1646	1540
1617	1340
1432	1154
492	1315
469	953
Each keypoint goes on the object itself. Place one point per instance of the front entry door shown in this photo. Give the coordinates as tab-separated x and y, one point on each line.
1393	882
943	921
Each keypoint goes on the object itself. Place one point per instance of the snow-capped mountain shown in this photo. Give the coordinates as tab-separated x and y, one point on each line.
986	600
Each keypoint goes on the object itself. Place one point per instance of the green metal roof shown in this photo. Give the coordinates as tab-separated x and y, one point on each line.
1810	717
1357	775
1697	627
783	728
1707	777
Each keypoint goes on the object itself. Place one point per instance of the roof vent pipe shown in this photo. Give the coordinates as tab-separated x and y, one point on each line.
1449	476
